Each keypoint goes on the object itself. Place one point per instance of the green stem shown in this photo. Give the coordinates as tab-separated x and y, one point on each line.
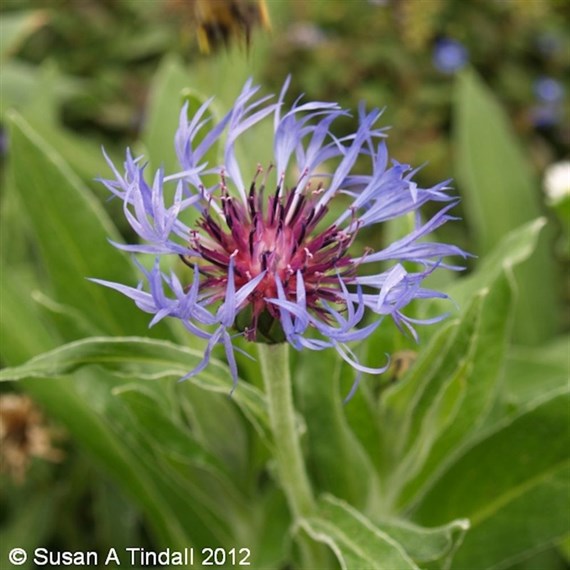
274	359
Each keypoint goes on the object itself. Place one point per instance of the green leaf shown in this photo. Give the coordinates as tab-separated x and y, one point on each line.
223	76
452	397
533	372
16	26
228	440
512	483
13	252
356	542
501	193
165	101
397	402
548	559
335	453
203	484
156	423
23	328
30	524
422	422
405	406
116	520
83	155
19	82
43	107
564	547
363	420
80	405
498	183
452	387
169	92
147	359
65	317
475	384
43	110
515	248
23	87
83	405
86	406
434	546
71	231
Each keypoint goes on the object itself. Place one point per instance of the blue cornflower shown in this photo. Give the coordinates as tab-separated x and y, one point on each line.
550	94
449	55
268	259
548	90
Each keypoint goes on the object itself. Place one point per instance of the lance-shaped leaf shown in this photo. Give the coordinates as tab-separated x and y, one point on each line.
455	411
204	487
451	389
78	404
531	372
71	231
335	452
359	542
501	193
432	547
143	358
356	542
512	484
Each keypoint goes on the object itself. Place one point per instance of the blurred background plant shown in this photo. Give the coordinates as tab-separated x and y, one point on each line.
477	91
384	52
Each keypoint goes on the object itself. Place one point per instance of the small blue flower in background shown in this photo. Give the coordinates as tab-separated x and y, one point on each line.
548	90
268	259
550	93
449	55
545	115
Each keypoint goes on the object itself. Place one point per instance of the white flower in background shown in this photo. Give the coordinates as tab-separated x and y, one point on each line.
556	181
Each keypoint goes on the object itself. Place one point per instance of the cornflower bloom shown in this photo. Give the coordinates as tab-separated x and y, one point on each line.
548	90
268	259
449	55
